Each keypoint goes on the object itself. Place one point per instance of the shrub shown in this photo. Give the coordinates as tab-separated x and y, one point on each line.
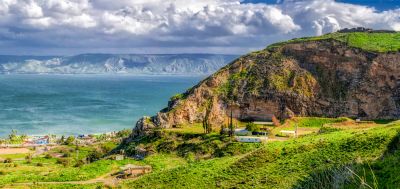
107	147
167	146
177	97
223	130
79	163
94	156
124	133
190	157
8	160
63	161
252	127
47	156
39	164
328	130
70	140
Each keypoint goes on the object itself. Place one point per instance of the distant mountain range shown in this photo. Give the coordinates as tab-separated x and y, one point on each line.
115	63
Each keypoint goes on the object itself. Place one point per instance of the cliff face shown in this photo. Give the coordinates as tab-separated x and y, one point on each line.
314	78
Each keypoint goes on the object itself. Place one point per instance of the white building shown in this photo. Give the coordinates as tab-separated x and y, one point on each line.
251	139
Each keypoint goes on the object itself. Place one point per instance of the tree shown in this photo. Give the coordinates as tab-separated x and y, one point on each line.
12	135
231	127
62	139
222	131
70	140
206	120
252	127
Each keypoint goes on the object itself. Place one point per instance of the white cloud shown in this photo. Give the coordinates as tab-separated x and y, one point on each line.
178	24
322	16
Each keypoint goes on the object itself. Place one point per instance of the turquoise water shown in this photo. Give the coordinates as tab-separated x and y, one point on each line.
76	104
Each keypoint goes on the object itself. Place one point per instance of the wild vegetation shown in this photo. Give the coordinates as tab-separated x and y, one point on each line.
293	163
338	152
370	41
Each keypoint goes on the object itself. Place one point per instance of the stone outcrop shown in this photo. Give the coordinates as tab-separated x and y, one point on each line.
315	78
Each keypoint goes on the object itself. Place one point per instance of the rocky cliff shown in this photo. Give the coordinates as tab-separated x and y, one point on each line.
325	77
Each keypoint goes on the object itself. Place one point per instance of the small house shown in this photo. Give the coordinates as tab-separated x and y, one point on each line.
41	140
251	139
119	157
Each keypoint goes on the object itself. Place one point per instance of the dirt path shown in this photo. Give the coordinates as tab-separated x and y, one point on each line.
4	151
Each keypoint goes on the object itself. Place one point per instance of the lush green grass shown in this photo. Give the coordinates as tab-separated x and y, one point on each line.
197	160
67	186
315	121
376	42
45	168
12	156
163	162
196	175
191	146
50	171
283	164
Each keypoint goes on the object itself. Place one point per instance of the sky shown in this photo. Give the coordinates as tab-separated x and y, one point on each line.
68	27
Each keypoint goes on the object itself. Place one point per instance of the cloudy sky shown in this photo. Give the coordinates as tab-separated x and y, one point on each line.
66	27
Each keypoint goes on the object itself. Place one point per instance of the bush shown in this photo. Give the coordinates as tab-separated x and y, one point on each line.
48	156
190	157
167	146
79	163
63	161
70	140
107	147
8	160
252	127
94	156
124	133
39	164
328	130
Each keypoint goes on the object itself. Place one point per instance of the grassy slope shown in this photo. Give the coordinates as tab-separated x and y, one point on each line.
375	42
285	164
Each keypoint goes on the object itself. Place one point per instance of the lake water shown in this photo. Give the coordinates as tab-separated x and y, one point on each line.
80	104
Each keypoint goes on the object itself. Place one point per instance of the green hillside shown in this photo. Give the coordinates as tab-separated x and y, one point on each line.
346	156
370	41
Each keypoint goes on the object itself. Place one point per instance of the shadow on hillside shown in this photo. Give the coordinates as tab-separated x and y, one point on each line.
381	173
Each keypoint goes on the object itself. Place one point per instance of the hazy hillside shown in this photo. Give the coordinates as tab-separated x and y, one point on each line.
109	63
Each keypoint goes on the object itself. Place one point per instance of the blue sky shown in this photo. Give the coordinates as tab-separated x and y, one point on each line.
380	5
66	27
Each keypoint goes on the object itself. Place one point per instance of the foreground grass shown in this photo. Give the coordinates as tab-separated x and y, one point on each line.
52	172
286	164
189	159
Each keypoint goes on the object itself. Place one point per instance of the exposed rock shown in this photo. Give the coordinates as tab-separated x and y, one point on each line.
315	78
143	126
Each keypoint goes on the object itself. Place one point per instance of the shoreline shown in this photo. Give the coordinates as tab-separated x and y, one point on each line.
51	139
